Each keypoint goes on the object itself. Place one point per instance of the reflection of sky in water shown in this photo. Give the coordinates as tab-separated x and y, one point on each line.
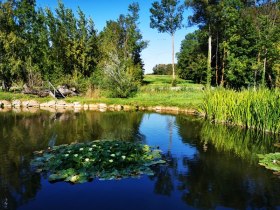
194	178
162	131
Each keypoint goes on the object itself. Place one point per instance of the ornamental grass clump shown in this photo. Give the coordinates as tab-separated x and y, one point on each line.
78	163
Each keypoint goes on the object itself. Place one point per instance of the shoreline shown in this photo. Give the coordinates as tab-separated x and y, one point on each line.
62	106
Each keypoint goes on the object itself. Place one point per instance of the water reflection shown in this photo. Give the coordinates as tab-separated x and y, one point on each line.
243	143
208	166
23	133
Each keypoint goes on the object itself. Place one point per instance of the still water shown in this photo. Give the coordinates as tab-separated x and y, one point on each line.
209	167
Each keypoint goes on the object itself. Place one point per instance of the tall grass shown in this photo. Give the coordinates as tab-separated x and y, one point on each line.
248	108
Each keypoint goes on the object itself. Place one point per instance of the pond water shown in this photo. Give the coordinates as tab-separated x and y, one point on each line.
209	167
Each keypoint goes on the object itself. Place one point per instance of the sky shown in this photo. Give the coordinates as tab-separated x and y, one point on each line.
159	48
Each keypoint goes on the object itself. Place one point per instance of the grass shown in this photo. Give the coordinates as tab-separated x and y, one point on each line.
248	108
156	91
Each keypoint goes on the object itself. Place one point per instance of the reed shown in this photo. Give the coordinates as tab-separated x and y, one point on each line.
258	109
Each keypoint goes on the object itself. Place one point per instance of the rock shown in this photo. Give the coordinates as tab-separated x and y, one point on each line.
77	105
158	108
102	106
48	104
111	107
7	109
5	104
31	103
66	91
86	106
93	107
60	104
118	107
16	103
126	108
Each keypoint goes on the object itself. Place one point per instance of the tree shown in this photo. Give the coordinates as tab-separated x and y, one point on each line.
120	67
167	17
192	57
205	15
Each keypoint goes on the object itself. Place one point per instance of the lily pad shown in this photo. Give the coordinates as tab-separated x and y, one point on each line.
270	161
81	162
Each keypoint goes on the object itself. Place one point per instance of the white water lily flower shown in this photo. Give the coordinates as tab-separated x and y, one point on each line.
90	149
66	155
111	161
81	149
76	155
123	157
93	145
87	159
113	155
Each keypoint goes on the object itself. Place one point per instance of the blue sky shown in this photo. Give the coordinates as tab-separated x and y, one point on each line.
159	48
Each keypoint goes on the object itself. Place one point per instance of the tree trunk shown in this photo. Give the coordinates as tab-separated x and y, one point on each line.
173	66
264	69
217	49
223	67
208	81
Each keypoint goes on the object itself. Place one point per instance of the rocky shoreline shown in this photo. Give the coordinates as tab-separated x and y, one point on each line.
62	106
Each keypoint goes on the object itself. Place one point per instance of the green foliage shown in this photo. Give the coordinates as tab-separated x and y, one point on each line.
248	108
78	163
270	161
191	59
163	69
244	40
120	69
167	17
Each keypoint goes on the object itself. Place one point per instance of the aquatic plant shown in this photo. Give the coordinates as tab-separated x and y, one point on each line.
271	161
81	162
248	108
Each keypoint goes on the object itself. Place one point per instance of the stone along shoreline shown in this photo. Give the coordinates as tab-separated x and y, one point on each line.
62	106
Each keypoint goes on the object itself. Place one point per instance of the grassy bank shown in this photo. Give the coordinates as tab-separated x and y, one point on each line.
156	91
251	109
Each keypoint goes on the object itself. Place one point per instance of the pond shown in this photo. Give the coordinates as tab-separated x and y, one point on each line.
208	166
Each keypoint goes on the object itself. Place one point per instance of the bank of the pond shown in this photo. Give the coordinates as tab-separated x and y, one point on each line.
62	105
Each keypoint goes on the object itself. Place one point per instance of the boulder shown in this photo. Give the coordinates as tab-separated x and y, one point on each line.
16	103
93	106
77	105
5	104
30	103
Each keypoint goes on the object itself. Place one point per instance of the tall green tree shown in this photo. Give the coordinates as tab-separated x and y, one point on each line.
11	46
121	44
205	15
192	57
167	17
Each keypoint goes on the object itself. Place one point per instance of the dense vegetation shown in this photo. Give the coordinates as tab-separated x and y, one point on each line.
251	109
78	163
237	44
38	44
163	69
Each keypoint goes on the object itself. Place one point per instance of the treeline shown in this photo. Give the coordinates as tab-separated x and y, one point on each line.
39	44
237	44
163	69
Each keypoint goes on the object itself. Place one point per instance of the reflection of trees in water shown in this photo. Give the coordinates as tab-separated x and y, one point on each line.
243	143
214	177
23	133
